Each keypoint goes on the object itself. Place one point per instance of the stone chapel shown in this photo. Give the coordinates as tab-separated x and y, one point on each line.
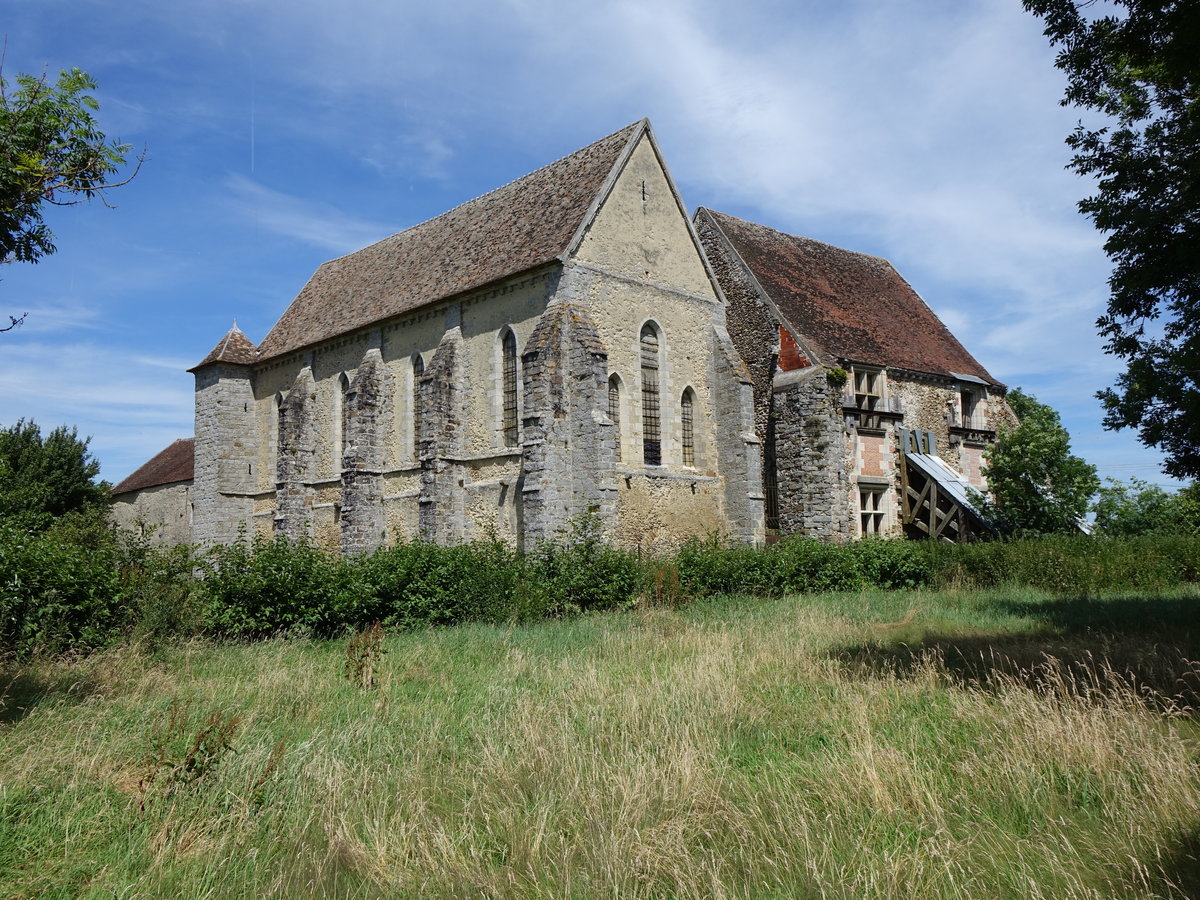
572	345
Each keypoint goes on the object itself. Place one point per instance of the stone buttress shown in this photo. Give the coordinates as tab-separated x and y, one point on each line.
295	459
440	389
568	447
369	410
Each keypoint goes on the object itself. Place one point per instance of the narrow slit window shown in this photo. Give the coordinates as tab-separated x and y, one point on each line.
651	411
687	427
614	412
509	386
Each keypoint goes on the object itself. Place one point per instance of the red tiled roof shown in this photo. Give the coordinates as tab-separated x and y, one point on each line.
847	305
175	463
518	227
235	347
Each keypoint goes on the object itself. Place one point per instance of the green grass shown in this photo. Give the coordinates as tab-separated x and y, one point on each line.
878	744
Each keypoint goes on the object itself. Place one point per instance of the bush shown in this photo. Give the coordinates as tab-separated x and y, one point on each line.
60	589
265	587
713	567
581	572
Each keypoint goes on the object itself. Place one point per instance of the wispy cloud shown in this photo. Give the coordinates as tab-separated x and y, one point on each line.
318	224
126	401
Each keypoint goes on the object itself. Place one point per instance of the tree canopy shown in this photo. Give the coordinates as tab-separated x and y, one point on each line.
52	151
1036	485
1138	507
43	478
1138	66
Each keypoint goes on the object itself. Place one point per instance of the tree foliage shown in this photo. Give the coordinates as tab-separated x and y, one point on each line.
1137	507
52	151
1036	485
1139	67
42	479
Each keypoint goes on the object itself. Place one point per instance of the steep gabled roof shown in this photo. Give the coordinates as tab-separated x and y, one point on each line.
521	226
235	347
174	464
846	305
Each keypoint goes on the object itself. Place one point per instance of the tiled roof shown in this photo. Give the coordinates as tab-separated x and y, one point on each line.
235	347
175	463
847	305
518	227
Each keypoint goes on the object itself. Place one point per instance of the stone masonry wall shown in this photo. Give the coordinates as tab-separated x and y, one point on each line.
226	446
811	458
568	446
162	513
368	422
739	448
752	325
440	442
295	460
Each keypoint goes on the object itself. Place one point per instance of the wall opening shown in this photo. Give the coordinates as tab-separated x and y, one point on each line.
651	408
687	427
508	364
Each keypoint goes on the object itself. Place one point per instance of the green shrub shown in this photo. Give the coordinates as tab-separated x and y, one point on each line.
60	589
265	587
712	566
582	573
808	566
894	564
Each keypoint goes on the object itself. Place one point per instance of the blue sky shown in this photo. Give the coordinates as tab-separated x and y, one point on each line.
282	134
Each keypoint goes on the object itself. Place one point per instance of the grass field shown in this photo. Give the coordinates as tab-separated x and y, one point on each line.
900	744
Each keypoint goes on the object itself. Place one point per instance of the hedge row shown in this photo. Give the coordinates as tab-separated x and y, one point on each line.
83	585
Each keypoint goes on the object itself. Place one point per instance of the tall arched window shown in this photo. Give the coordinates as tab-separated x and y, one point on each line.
687	427
614	411
345	400
508	387
277	428
651	411
418	369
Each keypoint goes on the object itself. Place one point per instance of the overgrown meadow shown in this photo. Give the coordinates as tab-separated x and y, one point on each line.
881	720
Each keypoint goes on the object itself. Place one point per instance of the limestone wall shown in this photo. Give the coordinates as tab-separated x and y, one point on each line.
641	231
227	444
348	443
162	512
350	475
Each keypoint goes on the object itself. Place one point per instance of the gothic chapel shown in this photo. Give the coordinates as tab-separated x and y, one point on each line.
561	347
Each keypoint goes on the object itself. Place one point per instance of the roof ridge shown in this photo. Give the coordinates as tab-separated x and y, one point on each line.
800	237
520	226
488	193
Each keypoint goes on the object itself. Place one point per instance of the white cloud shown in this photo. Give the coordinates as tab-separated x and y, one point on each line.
124	401
318	224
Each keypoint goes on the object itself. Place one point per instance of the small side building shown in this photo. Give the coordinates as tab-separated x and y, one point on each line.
873	417
157	497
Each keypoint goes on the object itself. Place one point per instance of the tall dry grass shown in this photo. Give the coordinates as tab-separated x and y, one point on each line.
708	752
